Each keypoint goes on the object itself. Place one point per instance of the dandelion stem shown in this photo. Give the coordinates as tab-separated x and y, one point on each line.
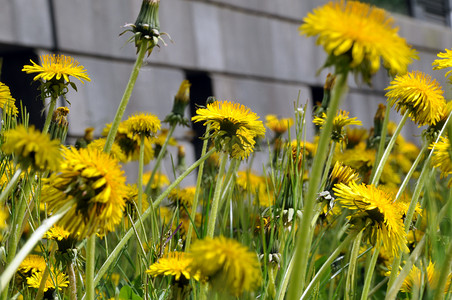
116	251
126	96
72	282
447	264
11	184
328	165
325	267
216	195
370	272
89	269
303	243
350	281
384	158
395	287
159	159
29	245
49	114
196	198
381	145
140	202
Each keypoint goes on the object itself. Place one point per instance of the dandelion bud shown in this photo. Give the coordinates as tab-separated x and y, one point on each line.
59	124
181	101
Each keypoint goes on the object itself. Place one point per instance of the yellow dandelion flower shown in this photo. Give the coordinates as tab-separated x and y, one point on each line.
32	263
183	197
339	124
418	94
442	157
233	124
369	203
54	280
249	181
279	126
57	66
160	180
175	264
57	233
3	218
143	124
361	34
355	135
228	265
132	200
115	151
7	102
444	62
341	174
32	148
96	182
427	278
130	143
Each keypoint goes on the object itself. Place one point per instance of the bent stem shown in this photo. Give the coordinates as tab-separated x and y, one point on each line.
114	254
326	265
303	243
11	185
381	145
126	96
388	149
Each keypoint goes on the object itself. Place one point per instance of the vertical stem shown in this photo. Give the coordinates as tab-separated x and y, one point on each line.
196	199
328	165
216	195
350	281
370	272
89	269
72	282
159	159
381	145
140	203
126	96
303	243
49	114
384	158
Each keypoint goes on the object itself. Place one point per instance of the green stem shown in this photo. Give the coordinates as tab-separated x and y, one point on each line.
216	195
443	276
326	265
285	281
303	243
196	199
140	203
46	274
395	287
126	96
49	115
381	145
11	184
72	282
328	165
384	158
30	244
350	281
115	253
159	159
370	272
90	266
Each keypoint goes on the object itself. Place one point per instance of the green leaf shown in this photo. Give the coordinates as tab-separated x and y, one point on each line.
126	293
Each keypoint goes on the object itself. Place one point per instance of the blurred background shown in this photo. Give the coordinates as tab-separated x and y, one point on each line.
247	51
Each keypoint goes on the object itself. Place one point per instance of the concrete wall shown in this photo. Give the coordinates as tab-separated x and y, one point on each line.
251	49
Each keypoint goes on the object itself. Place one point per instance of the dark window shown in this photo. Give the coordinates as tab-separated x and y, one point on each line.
200	90
22	86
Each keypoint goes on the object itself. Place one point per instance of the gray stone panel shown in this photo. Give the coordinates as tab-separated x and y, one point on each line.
25	23
96	102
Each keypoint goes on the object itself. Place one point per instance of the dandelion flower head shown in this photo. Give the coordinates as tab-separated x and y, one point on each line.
7	102
159	181
419	277
418	94
442	156
32	263
175	264
279	126
57	233
33	148
360	34
143	124
116	151
55	280
96	182
231	123
56	67
340	122
369	203
228	265
444	62
183	197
